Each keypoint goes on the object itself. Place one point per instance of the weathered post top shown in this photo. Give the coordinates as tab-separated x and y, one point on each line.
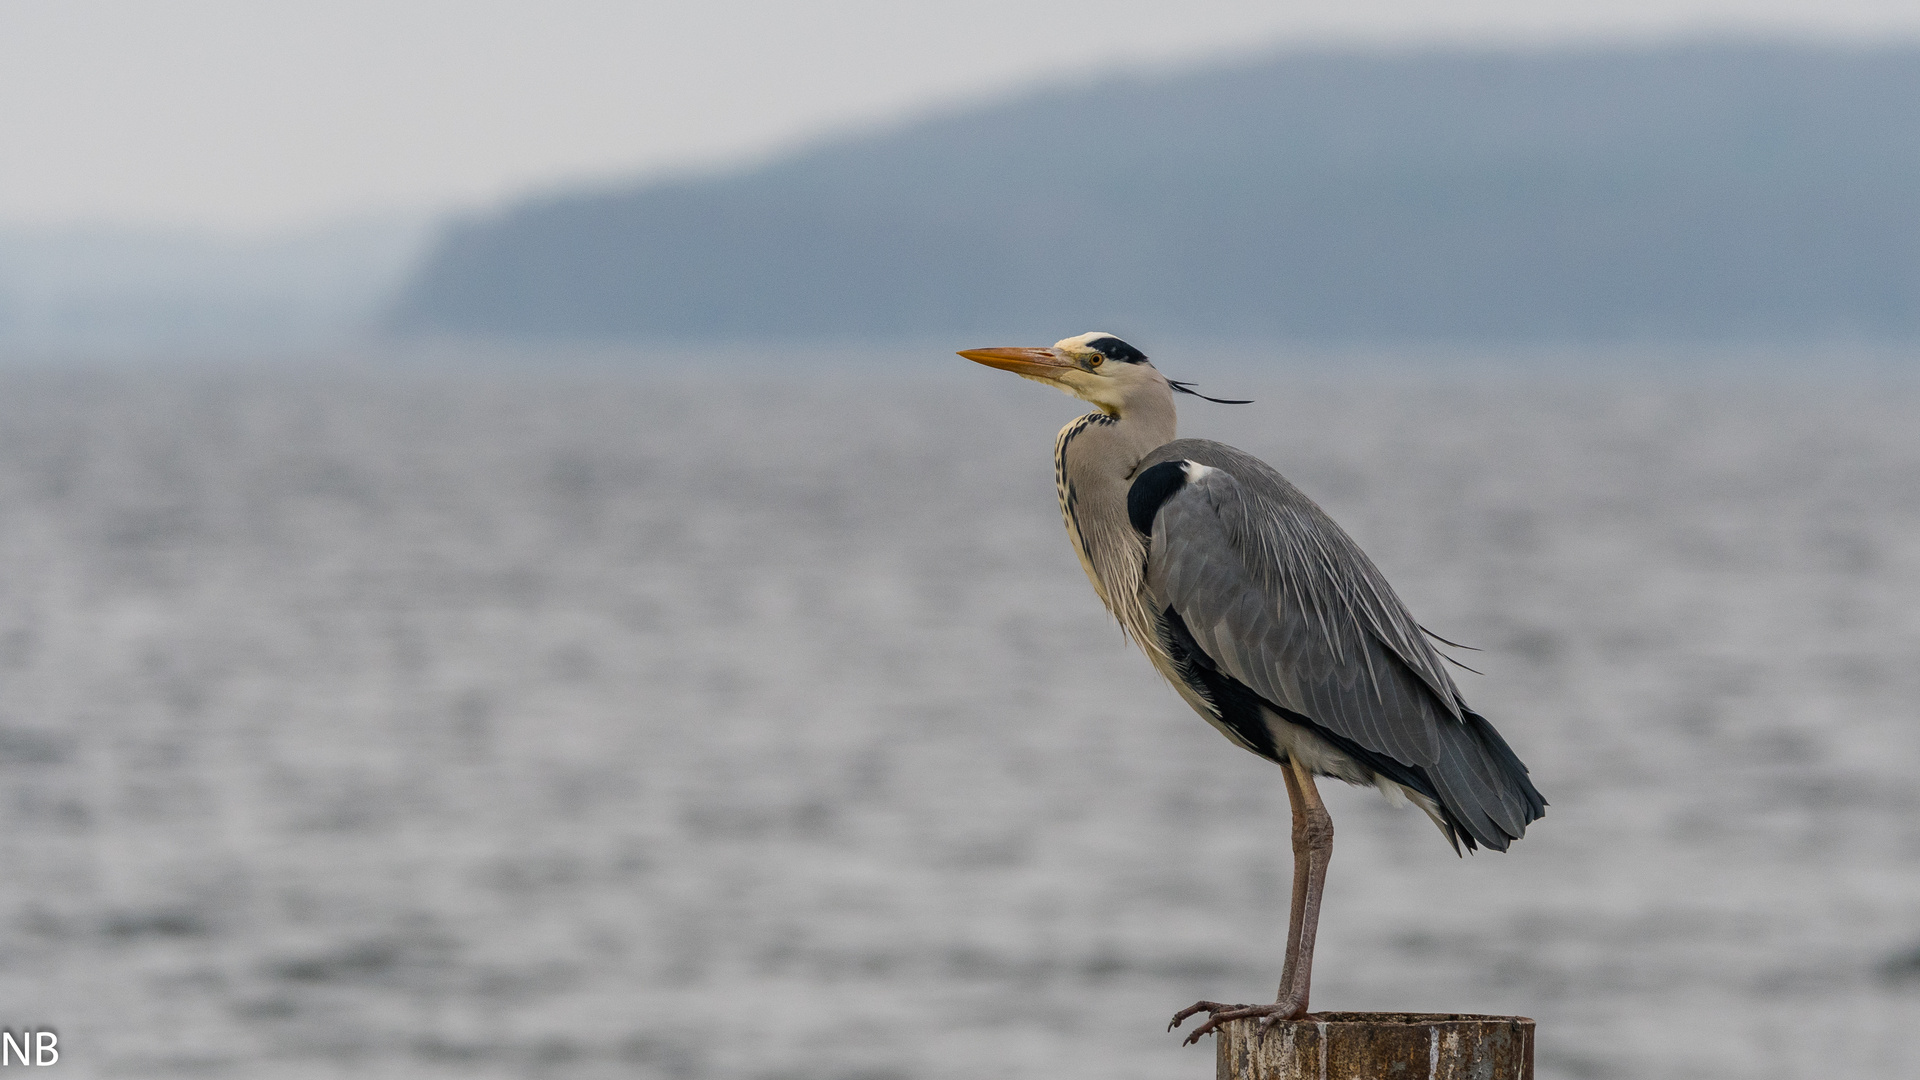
1378	1046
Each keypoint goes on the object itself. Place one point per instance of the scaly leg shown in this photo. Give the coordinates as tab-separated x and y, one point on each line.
1312	850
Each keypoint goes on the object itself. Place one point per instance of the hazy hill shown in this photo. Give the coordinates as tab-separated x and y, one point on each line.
104	288
1706	190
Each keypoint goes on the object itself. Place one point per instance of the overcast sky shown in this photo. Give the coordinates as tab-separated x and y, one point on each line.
249	116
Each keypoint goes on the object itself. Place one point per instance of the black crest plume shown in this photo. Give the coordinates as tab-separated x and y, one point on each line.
1187	388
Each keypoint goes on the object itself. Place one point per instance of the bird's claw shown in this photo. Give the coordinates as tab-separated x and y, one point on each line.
1198	1006
1218	1014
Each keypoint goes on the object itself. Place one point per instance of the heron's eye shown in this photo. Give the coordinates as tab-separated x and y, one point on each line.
1095	361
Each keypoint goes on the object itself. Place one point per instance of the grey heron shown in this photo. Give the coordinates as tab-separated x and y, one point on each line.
1270	622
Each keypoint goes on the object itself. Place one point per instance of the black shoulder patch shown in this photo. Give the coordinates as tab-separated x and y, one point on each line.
1150	490
1116	350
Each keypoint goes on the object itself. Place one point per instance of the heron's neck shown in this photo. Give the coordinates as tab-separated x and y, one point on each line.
1118	440
1095	459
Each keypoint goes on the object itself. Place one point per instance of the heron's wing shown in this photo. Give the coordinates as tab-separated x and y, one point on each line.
1280	598
1270	607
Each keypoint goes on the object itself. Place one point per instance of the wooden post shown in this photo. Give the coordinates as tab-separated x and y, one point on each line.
1378	1046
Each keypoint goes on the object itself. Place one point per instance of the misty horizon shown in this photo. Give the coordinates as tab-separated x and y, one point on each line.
89	287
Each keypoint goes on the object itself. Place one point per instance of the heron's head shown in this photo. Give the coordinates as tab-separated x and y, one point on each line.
1095	367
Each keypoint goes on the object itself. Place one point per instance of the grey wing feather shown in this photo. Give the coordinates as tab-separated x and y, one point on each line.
1283	600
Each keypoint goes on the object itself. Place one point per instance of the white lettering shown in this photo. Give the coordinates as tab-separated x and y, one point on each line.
48	1052
9	1047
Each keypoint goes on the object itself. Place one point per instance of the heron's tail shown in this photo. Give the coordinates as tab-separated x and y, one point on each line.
1486	798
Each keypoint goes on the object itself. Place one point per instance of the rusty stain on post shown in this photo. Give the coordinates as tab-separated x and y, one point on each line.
1378	1046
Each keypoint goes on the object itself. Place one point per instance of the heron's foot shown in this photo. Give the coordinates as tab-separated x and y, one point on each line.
1217	1014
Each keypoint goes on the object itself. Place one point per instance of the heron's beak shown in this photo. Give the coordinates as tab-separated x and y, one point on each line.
1032	363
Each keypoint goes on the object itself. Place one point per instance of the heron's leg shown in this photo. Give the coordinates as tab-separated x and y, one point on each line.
1312	850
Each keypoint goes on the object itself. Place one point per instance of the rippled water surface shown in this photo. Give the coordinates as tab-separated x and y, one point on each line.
756	726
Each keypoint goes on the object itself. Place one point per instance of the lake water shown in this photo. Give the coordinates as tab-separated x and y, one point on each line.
762	726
